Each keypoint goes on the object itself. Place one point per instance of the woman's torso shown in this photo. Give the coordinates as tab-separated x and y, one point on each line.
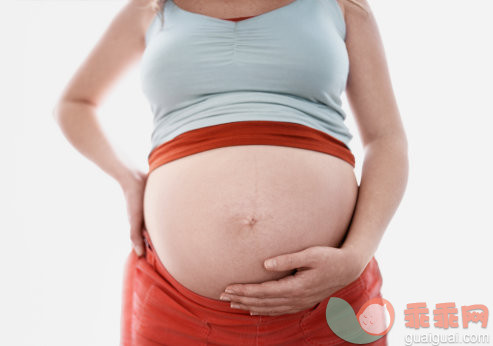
215	216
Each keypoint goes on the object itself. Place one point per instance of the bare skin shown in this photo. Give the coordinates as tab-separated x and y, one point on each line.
230	9
214	217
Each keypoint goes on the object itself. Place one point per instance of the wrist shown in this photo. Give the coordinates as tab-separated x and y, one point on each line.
356	260
129	178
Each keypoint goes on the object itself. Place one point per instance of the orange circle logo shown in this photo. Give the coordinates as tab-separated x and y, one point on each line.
376	316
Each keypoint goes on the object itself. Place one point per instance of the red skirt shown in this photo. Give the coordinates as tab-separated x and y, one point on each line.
158	310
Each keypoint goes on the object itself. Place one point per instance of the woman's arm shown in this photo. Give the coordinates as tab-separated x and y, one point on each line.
76	110
119	48
385	166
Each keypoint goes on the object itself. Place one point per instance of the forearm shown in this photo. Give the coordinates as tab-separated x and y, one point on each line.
383	182
80	125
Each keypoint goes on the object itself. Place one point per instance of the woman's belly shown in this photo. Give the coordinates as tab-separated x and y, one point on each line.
215	216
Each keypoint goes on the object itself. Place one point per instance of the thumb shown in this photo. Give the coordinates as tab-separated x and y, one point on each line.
288	261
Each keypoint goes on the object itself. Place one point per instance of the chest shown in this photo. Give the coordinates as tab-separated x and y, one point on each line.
230	8
296	49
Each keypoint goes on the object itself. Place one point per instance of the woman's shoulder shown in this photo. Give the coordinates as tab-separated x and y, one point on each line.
355	7
141	12
119	46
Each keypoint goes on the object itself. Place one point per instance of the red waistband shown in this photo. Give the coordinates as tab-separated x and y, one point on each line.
248	133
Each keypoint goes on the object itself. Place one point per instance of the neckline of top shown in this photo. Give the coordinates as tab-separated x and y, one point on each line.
244	21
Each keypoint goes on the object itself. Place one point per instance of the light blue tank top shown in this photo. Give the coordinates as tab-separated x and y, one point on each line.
289	64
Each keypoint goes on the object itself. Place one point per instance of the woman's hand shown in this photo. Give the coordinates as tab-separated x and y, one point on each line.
133	189
321	271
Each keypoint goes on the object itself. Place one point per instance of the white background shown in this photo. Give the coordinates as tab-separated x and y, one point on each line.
63	222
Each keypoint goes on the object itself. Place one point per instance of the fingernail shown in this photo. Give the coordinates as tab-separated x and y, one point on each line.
235	306
224	297
270	263
253	313
229	290
138	250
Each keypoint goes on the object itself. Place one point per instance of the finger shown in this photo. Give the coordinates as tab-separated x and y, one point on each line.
270	311
256	302
286	287
137	238
283	310
304	258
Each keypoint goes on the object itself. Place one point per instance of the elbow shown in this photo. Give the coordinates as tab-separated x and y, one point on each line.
54	112
392	145
402	143
404	146
399	150
57	110
399	143
65	107
397	140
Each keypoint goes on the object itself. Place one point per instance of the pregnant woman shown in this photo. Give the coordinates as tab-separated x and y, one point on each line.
250	161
